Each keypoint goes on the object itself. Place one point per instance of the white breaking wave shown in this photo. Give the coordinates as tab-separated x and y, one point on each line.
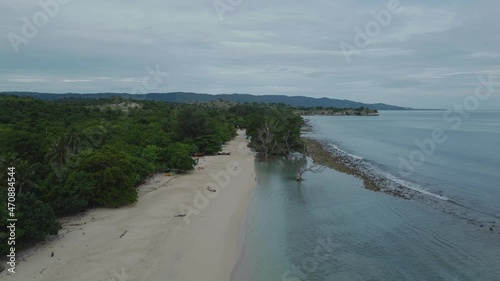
407	184
347	153
414	187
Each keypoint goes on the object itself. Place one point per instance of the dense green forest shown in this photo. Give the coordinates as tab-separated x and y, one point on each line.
73	154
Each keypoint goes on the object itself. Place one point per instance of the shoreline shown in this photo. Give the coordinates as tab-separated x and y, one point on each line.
339	163
374	181
177	230
344	163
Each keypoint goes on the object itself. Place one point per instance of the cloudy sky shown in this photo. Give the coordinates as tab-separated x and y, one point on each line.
429	53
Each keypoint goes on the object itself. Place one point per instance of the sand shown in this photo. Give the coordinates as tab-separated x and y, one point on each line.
147	240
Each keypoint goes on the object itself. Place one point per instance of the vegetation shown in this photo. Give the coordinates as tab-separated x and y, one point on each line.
274	130
183	97
320	110
73	154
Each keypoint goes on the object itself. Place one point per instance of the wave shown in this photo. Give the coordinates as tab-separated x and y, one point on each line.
377	172
414	186
391	184
346	153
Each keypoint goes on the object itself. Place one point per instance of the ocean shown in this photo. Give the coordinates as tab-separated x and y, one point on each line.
329	227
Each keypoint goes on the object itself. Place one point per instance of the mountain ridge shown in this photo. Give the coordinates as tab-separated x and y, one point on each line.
183	97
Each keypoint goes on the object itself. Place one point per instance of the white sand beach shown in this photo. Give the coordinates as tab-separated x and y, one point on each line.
148	240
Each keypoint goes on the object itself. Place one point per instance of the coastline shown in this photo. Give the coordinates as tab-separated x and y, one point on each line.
339	163
338	160
178	230
328	158
326	153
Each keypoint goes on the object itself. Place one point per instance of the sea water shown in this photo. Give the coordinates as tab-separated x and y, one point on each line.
329	227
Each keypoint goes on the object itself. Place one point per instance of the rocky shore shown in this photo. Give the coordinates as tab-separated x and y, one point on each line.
324	154
344	163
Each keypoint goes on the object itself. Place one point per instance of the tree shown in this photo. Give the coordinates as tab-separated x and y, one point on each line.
177	157
152	154
302	164
266	138
25	173
192	123
210	144
58	152
35	218
114	176
73	141
73	195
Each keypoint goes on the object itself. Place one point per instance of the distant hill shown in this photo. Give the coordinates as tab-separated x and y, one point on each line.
181	97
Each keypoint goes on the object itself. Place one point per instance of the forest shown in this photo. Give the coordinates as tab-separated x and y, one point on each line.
73	154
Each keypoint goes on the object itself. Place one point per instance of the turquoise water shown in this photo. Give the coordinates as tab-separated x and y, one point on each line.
330	228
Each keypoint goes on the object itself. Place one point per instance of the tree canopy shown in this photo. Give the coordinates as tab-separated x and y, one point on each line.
72	154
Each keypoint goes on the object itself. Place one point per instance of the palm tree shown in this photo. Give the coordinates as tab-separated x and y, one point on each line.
25	173
59	152
8	160
73	141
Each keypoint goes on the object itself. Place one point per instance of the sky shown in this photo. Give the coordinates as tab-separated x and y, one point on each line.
422	54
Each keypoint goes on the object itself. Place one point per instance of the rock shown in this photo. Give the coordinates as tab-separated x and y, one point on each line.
51	255
2	268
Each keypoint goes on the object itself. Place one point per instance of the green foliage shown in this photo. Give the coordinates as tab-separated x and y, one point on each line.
273	130
193	123
152	154
73	154
177	156
74	195
208	144
113	175
35	220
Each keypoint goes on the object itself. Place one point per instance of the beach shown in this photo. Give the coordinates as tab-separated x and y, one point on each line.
185	227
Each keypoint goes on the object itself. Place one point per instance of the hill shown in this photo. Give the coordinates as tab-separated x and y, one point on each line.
181	97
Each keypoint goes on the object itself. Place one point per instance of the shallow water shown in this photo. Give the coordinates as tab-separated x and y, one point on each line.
370	235
464	168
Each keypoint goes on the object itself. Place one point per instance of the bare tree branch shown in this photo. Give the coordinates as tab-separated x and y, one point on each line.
302	164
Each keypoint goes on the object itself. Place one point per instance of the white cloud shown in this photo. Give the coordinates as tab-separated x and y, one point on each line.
262	47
